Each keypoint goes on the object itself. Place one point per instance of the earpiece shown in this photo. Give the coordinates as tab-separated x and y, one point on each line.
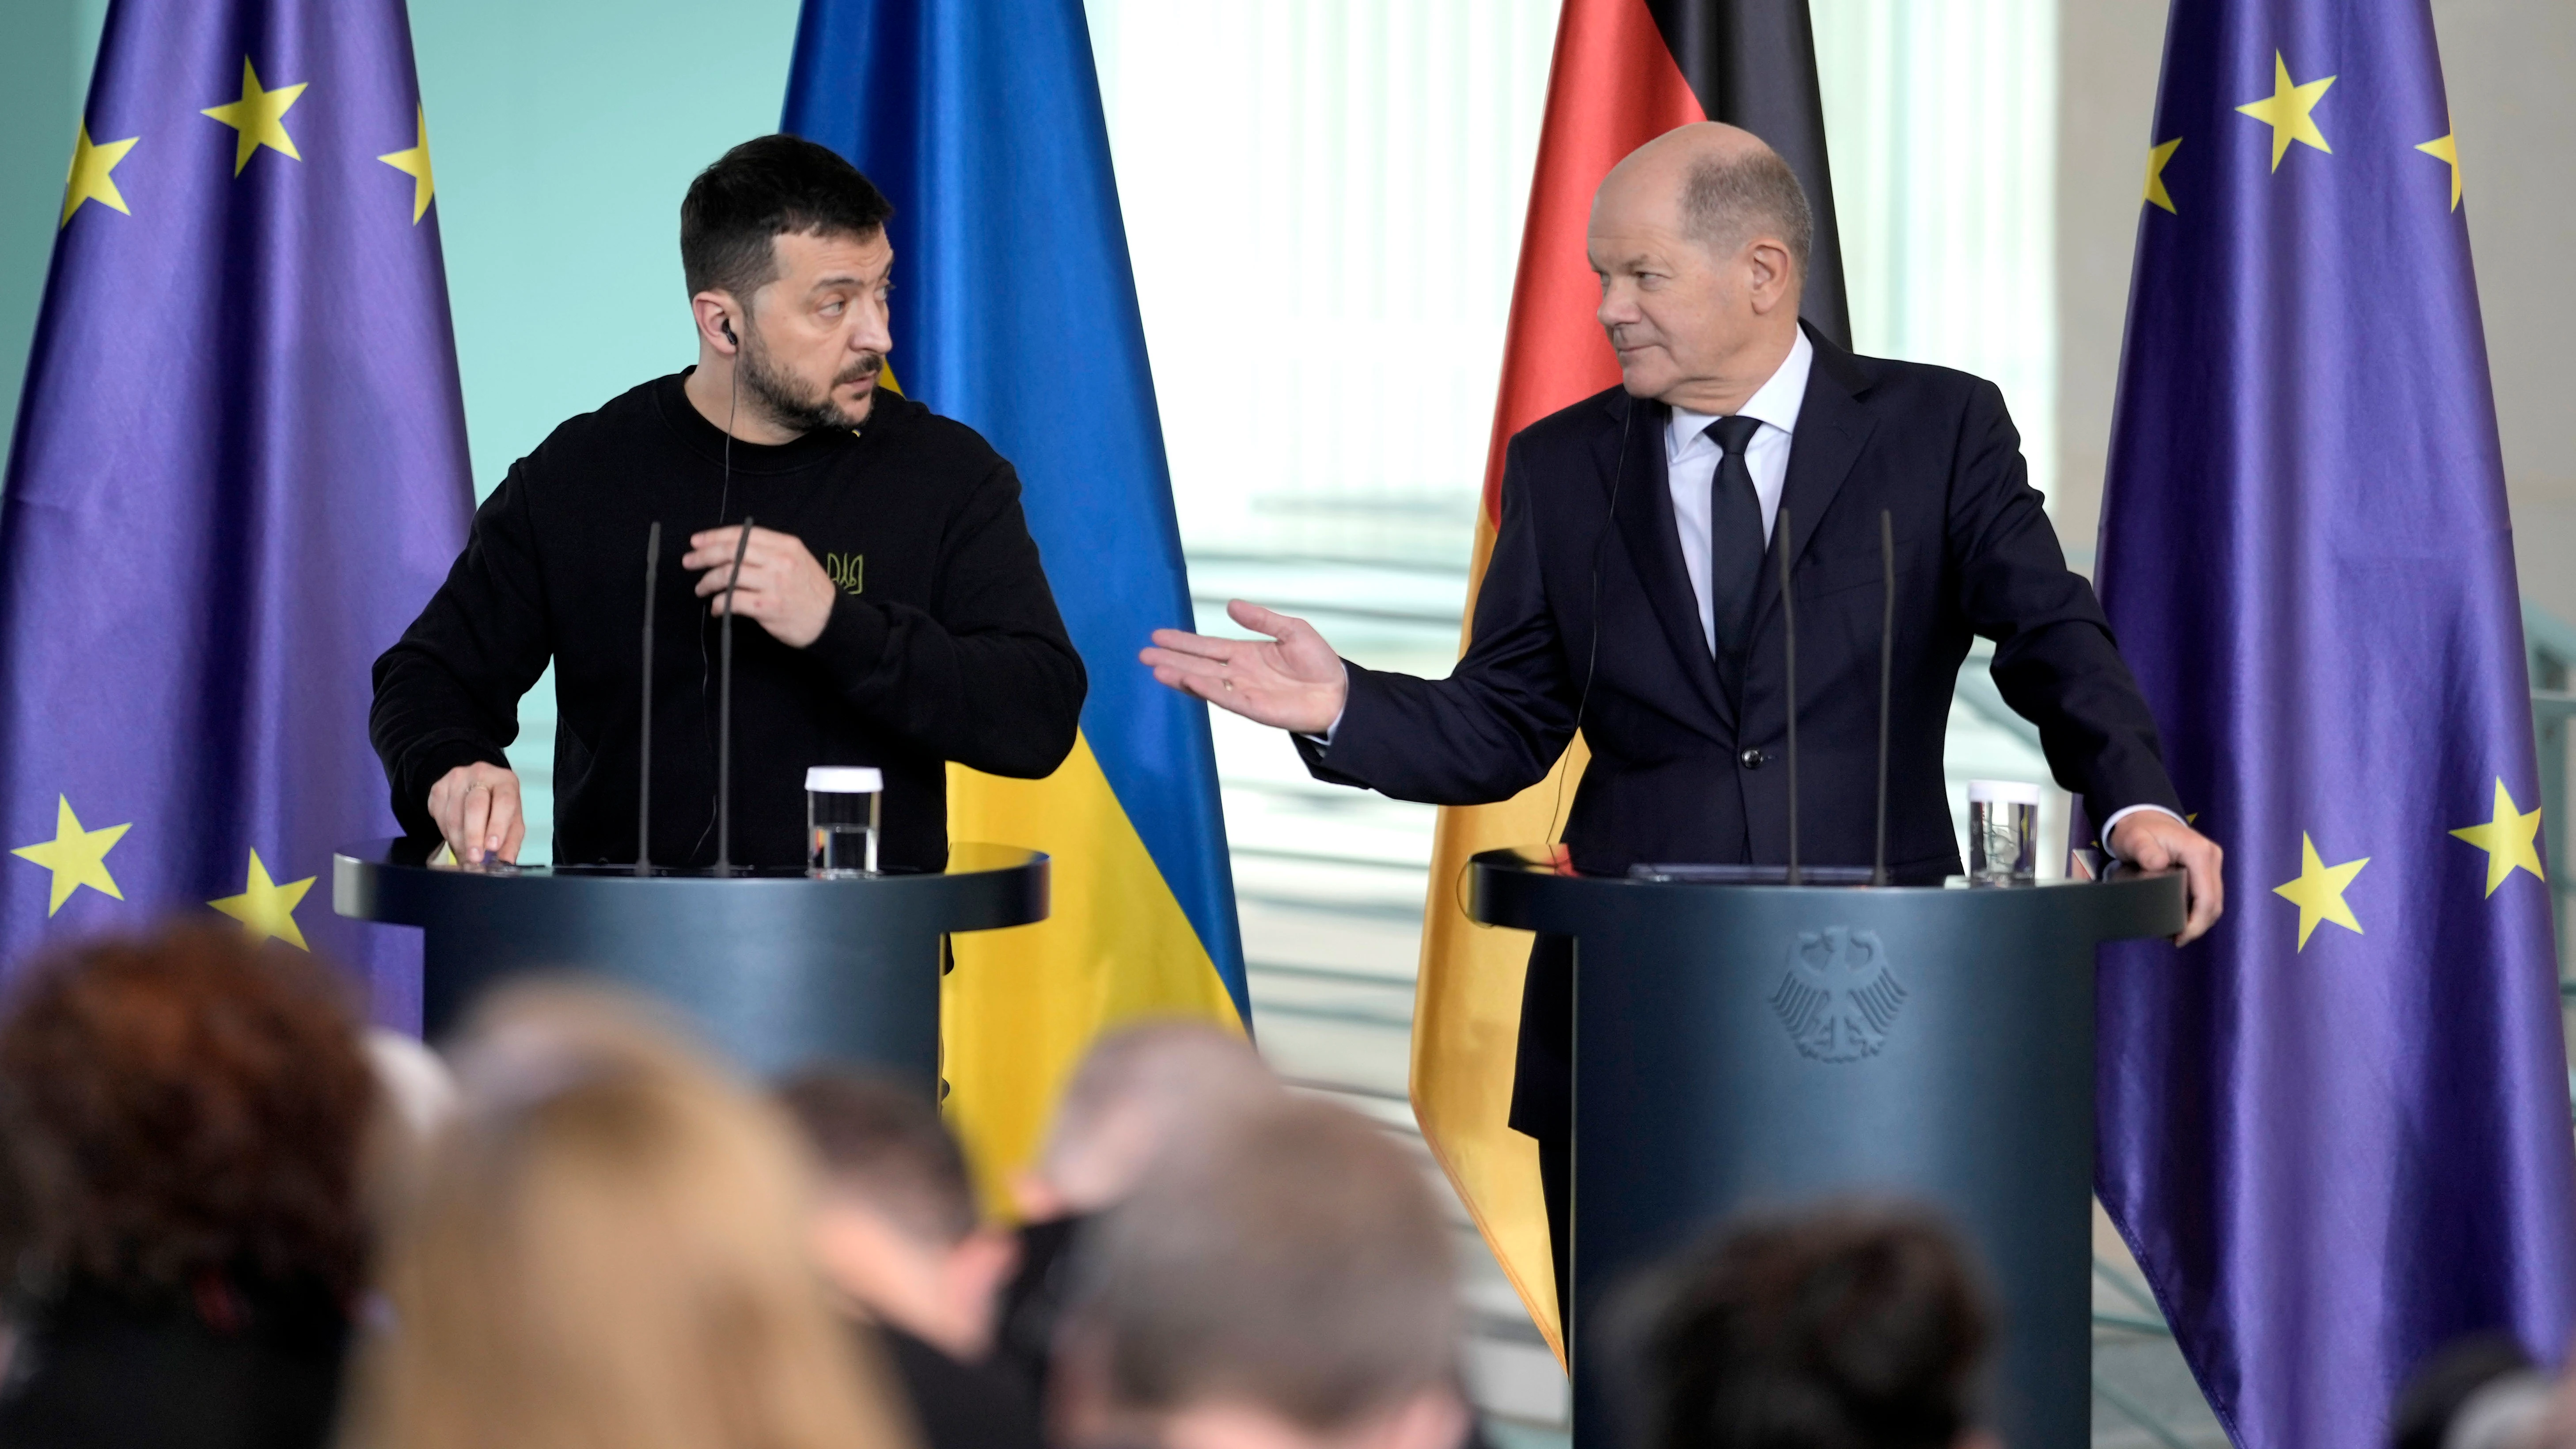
725	326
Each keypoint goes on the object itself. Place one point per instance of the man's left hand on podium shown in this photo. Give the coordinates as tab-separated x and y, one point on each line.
2154	840
783	589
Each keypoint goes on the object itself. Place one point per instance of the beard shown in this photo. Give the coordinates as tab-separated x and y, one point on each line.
789	402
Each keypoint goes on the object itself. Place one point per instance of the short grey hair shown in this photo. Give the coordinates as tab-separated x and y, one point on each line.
1298	1264
1729	200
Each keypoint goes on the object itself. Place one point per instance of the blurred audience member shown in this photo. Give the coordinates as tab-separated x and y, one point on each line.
896	1228
415	1098
185	1116
1284	1285
2480	1393
1139	1090
1844	1327
607	1248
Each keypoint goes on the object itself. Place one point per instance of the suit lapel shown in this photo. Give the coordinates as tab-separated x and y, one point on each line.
1643	504
1832	427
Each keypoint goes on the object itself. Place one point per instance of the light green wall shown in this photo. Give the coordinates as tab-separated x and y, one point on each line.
562	132
45	52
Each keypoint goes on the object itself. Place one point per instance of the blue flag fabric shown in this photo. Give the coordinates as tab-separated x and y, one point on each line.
1014	312
2337	1132
239	468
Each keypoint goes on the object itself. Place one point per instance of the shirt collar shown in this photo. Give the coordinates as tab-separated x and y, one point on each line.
1776	402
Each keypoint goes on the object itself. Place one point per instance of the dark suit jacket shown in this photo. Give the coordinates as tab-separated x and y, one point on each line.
1682	772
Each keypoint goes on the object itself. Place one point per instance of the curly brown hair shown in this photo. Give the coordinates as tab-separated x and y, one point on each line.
183	1105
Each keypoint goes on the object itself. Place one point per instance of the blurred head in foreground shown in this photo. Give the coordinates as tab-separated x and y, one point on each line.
185	1109
1137	1090
1285	1285
607	1247
1141	1091
1839	1328
185	1117
896	1226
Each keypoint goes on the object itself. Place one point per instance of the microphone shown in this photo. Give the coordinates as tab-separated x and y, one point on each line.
1789	624
724	713
1886	676
1592	651
644	786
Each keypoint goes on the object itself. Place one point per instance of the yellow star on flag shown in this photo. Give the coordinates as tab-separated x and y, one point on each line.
2156	158
77	857
2286	110
414	163
2447	148
2318	892
90	178
266	908
2510	839
260	116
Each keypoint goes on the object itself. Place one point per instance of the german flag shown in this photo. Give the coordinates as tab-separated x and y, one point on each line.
1625	72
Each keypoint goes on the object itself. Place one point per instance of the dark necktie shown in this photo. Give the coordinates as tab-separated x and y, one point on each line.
1735	551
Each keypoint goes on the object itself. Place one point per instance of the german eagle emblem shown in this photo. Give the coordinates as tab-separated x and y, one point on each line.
1838	997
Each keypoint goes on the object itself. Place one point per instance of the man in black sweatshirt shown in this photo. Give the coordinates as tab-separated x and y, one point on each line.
902	618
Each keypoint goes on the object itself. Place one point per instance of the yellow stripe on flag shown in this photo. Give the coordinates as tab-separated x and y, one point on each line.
1466	1024
1024	1004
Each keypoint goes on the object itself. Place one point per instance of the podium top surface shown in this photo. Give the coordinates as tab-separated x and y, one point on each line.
985	887
1530	888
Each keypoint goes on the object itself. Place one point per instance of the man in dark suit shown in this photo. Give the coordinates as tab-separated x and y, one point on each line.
1633	591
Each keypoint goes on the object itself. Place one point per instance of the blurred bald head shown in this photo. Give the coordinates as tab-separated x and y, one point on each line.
1287	1285
1701	239
1141	1090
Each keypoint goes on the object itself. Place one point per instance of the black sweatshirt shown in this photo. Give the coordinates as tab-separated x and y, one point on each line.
944	644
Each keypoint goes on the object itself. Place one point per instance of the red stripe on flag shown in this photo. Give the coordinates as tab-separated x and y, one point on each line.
1612	87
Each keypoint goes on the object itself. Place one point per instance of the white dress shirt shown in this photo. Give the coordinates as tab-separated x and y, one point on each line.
1691	457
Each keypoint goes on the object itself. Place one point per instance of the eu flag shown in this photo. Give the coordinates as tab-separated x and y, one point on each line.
2336	1133
239	467
1015	313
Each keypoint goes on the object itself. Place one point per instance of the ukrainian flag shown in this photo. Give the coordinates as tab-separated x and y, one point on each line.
1015	313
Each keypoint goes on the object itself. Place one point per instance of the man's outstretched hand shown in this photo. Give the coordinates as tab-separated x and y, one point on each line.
1292	680
2153	840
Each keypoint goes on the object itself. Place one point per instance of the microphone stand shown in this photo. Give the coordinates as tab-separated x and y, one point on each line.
1789	623
1886	676
644	786
724	713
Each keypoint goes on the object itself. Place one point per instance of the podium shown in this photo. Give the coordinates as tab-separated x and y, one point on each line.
775	970
1761	1046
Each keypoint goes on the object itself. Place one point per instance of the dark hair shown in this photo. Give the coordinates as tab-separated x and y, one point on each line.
183	1105
887	1145
1841	1328
1729	200
763	189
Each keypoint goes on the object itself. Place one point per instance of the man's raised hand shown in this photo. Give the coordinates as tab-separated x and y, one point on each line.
1292	680
783	589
